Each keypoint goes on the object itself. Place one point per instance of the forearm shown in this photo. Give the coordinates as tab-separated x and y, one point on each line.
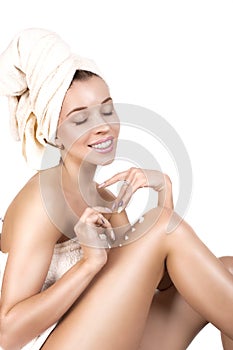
165	197
32	316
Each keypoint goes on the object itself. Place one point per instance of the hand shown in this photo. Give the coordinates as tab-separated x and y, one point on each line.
95	235
136	178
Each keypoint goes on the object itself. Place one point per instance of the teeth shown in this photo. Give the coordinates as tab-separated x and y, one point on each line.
102	145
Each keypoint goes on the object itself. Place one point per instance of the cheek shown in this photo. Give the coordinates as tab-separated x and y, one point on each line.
70	135
80	143
78	148
116	129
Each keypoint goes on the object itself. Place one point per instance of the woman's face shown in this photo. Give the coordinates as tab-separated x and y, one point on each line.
88	125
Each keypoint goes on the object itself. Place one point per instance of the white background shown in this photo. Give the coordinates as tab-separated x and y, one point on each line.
174	57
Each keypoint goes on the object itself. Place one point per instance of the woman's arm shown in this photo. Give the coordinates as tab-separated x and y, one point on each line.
165	196
135	178
25	311
121	224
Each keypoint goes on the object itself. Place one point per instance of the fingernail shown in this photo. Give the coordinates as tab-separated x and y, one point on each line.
120	204
101	185
119	210
120	207
112	235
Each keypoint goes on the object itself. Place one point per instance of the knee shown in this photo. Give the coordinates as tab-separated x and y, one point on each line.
176	232
167	225
227	262
168	221
158	225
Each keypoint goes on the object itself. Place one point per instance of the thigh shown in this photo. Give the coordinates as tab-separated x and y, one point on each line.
112	312
171	324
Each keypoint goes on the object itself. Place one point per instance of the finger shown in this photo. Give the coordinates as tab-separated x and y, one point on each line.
87	213
99	219
133	183
90	211
90	229
104	222
124	199
93	218
114	179
96	231
110	235
126	191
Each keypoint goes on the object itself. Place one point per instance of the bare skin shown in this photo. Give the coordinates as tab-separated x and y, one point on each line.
112	311
109	294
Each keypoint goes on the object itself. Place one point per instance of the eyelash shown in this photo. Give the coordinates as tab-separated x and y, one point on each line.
105	114
108	113
79	123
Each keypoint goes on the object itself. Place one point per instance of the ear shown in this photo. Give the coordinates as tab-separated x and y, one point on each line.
58	144
61	147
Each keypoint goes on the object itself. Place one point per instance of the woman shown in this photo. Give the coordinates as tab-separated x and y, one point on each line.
77	275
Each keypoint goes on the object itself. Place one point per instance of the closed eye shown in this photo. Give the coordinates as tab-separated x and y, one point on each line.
107	113
107	109
80	122
80	118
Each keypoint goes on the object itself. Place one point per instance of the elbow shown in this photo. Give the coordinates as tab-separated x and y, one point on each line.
7	341
3	340
3	337
167	180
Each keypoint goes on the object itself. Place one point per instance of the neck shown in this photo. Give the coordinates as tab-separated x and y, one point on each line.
76	177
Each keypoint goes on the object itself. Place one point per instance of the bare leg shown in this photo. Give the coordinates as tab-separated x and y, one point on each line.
173	324
112	313
208	283
226	341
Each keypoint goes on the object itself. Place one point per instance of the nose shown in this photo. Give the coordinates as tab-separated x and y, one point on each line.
101	126
102	129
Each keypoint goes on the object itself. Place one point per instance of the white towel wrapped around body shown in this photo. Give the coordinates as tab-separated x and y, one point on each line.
35	72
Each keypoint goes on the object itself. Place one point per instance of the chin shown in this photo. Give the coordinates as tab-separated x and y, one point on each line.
104	161
107	162
101	159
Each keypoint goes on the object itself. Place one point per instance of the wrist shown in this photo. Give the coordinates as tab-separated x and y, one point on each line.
165	197
166	183
94	265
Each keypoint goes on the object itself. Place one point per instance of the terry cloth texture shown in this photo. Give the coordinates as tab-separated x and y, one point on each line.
36	70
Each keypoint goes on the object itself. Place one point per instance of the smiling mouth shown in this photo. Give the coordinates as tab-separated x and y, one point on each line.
104	146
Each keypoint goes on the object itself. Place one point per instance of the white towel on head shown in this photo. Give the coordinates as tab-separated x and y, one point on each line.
35	72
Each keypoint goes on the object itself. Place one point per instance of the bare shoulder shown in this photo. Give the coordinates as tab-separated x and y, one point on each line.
26	216
29	238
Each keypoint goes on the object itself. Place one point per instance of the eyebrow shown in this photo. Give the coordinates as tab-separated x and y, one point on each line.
85	107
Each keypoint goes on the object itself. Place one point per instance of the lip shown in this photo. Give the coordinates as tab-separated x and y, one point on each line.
103	150
102	140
